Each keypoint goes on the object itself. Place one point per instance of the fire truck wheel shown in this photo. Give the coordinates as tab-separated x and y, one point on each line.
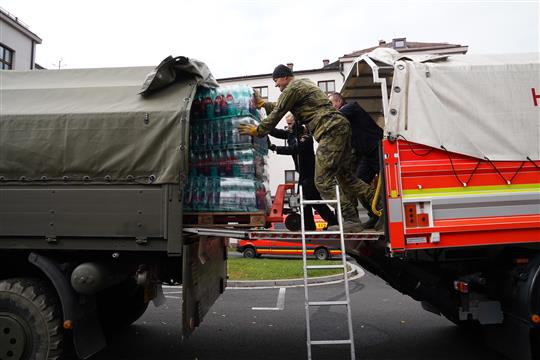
322	254
249	253
293	222
30	320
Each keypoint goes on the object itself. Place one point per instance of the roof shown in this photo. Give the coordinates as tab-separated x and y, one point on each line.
335	66
19	25
412	46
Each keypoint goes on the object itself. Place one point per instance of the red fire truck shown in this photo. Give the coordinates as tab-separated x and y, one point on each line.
460	181
268	245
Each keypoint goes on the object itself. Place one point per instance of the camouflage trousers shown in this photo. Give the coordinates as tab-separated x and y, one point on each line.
333	163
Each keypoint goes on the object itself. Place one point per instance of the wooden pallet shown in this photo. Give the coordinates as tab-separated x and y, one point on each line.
225	219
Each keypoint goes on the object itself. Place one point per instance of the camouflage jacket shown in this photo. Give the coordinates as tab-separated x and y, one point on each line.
309	105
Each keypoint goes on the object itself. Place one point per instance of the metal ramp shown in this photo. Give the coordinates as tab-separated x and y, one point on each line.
343	266
250	234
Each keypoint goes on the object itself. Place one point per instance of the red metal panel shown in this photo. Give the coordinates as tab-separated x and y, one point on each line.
410	215
276	212
425	169
393	192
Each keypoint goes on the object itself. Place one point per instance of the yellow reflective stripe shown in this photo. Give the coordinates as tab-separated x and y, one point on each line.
470	190
291	250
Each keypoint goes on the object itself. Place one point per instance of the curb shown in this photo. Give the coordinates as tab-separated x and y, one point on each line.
293	282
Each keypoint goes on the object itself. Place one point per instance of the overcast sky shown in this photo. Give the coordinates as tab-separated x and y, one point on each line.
237	37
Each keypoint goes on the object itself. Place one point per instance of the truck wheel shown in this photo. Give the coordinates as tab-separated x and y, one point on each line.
30	321
249	253
121	305
322	254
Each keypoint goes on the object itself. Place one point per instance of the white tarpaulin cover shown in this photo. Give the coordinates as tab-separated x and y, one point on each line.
481	106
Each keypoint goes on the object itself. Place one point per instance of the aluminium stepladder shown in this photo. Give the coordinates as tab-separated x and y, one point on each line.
308	304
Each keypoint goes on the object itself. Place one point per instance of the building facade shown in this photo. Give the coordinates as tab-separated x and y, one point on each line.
17	44
329	78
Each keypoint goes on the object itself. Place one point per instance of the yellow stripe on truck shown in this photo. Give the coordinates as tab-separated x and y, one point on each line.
470	190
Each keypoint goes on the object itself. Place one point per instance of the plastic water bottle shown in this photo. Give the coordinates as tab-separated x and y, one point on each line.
229	161
216	186
210	194
214	163
243	100
208	104
193	136
192	163
224	107
203	161
222	163
262	196
218	97
230	99
196	107
226	199
201	136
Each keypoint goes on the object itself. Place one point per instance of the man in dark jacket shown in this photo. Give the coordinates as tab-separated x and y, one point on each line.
300	147
366	135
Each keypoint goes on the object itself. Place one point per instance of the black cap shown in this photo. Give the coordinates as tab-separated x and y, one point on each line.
281	71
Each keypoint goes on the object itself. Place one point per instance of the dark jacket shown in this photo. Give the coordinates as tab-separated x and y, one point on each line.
303	152
366	134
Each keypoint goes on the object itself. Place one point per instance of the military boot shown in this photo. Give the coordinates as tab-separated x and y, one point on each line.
379	226
348	227
371	222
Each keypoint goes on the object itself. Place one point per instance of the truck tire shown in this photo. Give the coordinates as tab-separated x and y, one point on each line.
249	253
121	305
30	320
322	254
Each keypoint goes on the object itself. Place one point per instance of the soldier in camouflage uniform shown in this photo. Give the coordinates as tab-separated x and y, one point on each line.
311	107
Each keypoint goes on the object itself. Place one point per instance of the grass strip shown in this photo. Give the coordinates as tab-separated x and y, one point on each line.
272	269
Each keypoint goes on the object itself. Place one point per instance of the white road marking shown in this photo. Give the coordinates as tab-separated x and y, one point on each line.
280	305
172	297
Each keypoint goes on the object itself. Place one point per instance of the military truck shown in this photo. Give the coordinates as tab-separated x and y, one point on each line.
92	165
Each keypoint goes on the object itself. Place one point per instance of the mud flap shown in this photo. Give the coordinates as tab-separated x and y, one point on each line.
204	278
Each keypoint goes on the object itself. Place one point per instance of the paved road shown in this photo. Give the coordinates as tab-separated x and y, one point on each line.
387	325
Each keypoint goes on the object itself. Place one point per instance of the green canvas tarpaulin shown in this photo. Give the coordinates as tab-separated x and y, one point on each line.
98	125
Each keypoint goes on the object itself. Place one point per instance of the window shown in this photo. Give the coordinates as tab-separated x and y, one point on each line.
290	176
327	86
6	57
400	43
263	90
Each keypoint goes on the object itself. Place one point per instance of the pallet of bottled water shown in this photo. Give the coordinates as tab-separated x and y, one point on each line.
228	172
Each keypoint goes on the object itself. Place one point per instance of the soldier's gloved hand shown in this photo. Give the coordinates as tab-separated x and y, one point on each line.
248	129
259	101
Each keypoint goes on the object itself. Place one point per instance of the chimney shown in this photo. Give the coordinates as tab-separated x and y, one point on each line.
382	42
290	66
325	62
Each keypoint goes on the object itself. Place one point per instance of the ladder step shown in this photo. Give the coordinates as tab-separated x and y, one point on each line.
322	233
327	303
325	267
315	202
330	342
